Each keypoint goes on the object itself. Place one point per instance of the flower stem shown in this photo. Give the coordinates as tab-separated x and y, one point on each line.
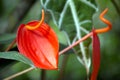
88	3
19	73
63	65
43	74
76	43
78	30
62	14
11	45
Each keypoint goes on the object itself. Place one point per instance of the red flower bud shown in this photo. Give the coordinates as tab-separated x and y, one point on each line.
95	56
40	44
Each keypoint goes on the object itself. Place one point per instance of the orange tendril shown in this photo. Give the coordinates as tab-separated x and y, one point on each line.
35	27
105	21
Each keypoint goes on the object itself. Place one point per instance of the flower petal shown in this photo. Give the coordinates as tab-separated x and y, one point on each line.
95	56
39	45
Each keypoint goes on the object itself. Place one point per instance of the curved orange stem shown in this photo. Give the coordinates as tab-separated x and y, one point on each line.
105	21
35	27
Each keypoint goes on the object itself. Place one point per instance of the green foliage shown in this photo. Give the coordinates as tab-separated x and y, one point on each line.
60	18
13	55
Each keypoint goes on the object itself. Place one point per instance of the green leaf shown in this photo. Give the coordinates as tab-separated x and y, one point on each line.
14	55
60	34
7	38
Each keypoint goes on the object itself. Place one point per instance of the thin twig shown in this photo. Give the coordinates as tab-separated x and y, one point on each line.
88	3
62	14
76	43
62	70
19	73
76	21
11	45
43	74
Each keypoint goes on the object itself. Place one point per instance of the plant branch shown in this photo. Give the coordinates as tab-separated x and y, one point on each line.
62	69
89	4
45	7
46	3
76	43
19	73
11	45
43	74
76	21
62	14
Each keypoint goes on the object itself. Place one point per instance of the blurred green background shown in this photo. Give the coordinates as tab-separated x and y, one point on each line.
15	12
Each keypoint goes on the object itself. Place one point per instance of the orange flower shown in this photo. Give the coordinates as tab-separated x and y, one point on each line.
37	41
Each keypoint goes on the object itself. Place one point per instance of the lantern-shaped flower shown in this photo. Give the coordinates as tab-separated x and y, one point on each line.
38	42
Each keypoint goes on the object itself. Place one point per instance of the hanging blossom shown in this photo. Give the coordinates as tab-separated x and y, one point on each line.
95	44
37	41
